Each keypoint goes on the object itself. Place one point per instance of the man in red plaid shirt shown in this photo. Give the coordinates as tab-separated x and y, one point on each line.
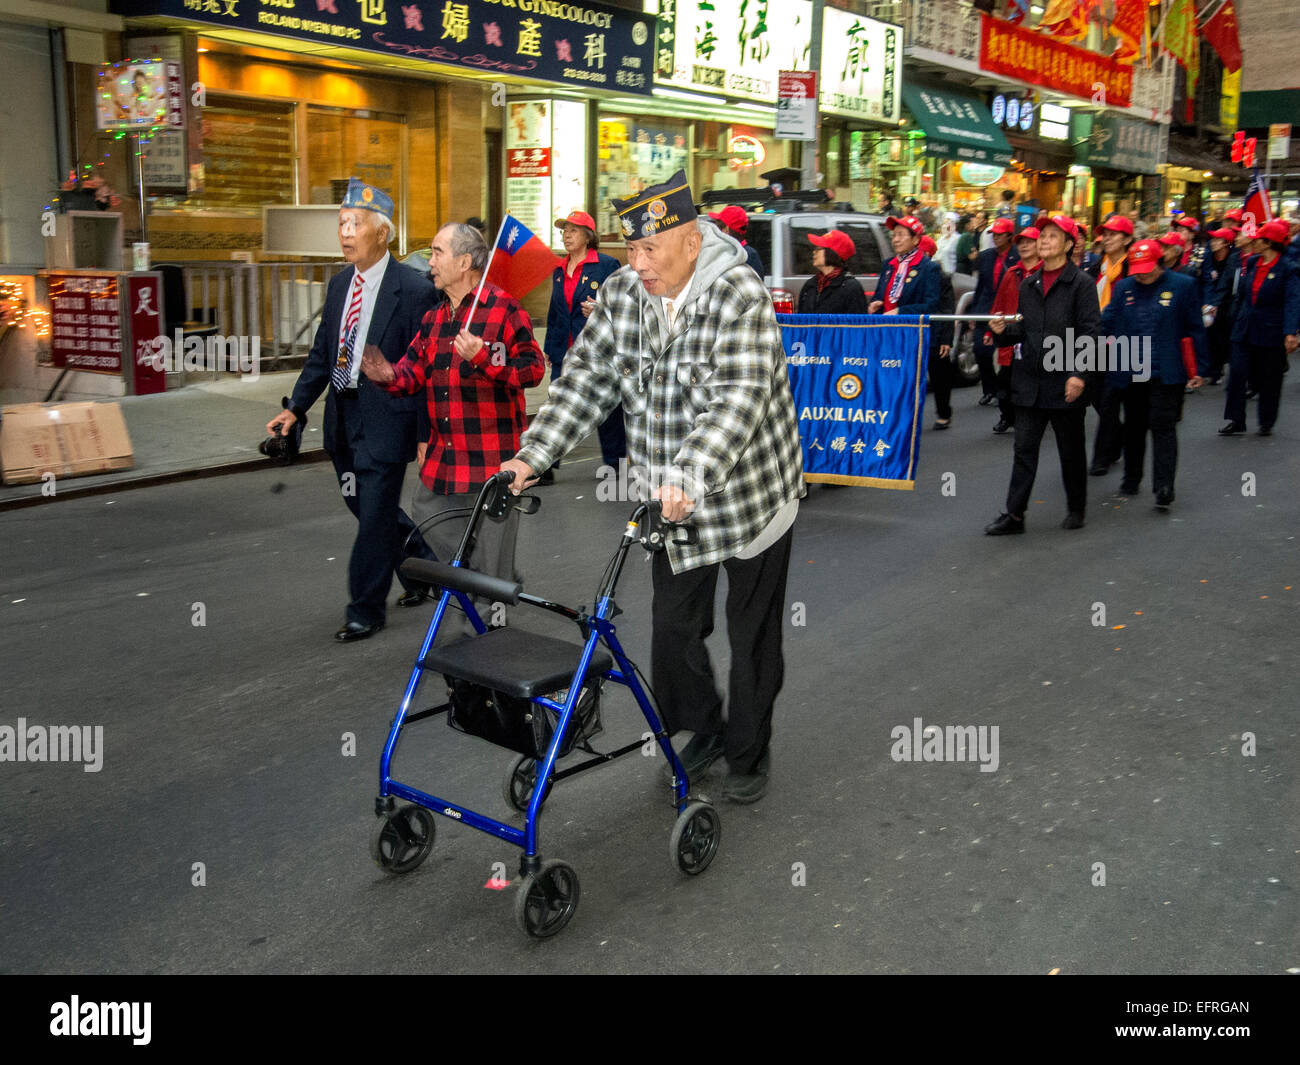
475	375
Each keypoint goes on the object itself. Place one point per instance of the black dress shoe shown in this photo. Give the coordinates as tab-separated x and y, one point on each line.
1004	525
1164	496
986	399
1265	430
1232	429
1127	489
941	423
1073	520
1098	470
354	630
1002	426
415	596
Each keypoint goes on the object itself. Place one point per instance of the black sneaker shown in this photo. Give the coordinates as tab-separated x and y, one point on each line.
699	753
987	399
1164	496
1098	469
1004	525
1128	489
1264	430
744	788
1233	429
1002	426
1073	520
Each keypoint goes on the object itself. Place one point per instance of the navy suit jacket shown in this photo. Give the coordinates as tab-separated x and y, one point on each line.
1265	320
390	422
1166	310
562	320
985	290
920	293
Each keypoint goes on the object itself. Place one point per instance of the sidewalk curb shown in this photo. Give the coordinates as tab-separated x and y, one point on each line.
152	480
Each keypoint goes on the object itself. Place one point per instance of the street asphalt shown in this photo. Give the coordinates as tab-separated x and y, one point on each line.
1140	817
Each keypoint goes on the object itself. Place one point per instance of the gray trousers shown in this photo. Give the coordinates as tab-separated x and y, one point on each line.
493	552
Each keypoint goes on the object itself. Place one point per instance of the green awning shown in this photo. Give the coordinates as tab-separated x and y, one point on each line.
956	126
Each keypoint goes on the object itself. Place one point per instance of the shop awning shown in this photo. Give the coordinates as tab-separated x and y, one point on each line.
956	126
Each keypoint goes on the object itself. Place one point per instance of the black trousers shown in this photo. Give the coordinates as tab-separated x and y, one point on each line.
1262	368
1005	407
941	375
1109	441
1071	446
372	493
987	363
1156	406
1219	341
683	675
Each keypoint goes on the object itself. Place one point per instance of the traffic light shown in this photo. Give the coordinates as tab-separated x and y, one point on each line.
1248	153
1238	145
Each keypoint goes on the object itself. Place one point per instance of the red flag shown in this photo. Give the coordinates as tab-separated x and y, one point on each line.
1067	19
1257	209
1129	23
1218	20
1181	41
520	260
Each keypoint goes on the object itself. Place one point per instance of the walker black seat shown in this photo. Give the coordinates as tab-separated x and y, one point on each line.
514	662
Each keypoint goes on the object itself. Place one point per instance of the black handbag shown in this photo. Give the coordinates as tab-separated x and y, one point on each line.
520	724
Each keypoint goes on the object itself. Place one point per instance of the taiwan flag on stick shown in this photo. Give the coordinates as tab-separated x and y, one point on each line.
520	261
1256	210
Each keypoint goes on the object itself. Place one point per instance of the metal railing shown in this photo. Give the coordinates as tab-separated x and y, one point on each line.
280	303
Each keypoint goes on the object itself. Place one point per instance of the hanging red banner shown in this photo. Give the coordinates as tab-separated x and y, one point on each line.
1014	52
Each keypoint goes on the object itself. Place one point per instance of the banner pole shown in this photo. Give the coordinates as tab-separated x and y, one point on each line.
486	270
971	317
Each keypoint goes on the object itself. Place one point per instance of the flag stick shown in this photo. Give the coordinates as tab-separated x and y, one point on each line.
486	270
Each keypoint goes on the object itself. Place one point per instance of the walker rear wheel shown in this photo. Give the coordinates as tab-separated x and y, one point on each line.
518	784
547	899
695	838
403	840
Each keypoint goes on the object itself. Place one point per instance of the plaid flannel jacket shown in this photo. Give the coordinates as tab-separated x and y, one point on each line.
707	407
476	408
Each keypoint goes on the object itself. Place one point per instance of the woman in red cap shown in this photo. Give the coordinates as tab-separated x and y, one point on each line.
1265	330
832	289
574	284
1218	275
991	266
1006	302
734	222
910	283
941	367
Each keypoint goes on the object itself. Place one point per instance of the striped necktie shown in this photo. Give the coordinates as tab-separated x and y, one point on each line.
347	342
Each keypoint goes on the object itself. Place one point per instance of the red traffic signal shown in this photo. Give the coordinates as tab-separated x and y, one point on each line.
1248	153
1238	145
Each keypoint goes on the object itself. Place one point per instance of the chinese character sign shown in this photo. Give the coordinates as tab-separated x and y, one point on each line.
858	383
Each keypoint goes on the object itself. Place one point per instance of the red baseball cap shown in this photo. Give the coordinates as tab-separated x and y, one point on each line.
1171	238
1066	225
911	224
1275	230
840	243
1234	215
732	217
928	245
1224	234
577	218
1029	233
1117	223
1144	256
1003	225
1188	221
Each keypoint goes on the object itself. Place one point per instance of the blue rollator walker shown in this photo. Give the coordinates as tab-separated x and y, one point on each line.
523	691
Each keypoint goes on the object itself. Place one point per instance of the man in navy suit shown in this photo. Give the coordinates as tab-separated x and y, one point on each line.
370	435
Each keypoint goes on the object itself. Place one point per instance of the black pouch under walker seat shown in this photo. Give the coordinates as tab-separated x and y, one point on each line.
520	724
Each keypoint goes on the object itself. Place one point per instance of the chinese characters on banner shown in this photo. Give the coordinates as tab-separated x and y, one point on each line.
578	43
85	324
144	305
1019	53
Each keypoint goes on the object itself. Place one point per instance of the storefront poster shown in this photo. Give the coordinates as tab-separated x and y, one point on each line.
862	67
1023	54
734	47
1119	143
578	44
85	323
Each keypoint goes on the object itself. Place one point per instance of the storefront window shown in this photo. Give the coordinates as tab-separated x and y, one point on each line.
343	145
248	150
636	151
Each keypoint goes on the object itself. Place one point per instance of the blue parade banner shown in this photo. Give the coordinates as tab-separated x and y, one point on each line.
858	382
569	43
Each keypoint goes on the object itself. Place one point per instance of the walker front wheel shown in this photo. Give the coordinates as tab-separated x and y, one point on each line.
403	840
695	838
547	899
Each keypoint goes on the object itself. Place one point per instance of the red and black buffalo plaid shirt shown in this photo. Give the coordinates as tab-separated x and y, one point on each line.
476	407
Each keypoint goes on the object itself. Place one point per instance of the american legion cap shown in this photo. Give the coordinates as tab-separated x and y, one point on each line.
368	198
657	208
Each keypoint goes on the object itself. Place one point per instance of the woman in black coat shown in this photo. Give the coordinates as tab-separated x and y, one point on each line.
832	289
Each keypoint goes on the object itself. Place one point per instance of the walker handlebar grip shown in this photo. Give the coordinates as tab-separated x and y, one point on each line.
460	579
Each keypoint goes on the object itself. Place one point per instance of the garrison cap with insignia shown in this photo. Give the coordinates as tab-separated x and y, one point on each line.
656	208
368	198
